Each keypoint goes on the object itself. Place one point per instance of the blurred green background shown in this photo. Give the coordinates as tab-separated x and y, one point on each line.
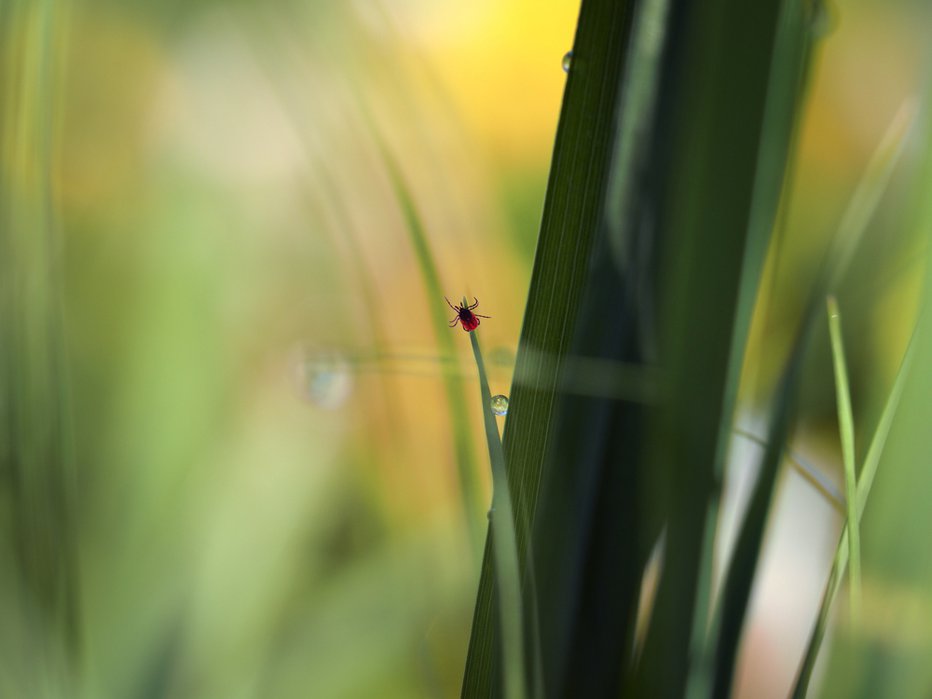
262	454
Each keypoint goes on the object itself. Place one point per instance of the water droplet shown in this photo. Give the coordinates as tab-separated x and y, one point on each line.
567	61
500	405
324	378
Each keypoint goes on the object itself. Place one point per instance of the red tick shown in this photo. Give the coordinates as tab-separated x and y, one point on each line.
465	316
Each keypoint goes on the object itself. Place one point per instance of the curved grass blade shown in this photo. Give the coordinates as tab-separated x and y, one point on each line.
453	385
846	428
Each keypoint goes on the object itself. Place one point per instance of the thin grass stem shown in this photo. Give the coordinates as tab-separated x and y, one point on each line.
840	562
504	545
846	428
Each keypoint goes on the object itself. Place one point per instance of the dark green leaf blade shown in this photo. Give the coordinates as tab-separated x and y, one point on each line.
573	210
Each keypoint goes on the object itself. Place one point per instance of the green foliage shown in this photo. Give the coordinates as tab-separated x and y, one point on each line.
39	636
865	482
846	428
668	190
705	121
504	544
888	655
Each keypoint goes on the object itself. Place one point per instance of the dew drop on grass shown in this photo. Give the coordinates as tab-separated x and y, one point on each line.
324	378
567	61
500	405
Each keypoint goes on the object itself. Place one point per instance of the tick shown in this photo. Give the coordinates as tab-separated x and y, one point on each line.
465	316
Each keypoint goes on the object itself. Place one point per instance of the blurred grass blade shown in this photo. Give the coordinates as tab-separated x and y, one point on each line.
726	628
324	197
846	429
839	563
636	113
874	452
38	537
504	545
734	85
893	661
870	188
736	590
453	385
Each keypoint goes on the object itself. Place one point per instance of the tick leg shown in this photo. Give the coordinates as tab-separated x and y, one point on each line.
481	316
455	308
474	304
453	322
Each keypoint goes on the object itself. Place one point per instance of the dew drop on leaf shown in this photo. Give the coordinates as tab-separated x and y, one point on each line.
567	61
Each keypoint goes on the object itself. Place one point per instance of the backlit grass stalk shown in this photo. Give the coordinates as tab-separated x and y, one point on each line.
846	429
504	544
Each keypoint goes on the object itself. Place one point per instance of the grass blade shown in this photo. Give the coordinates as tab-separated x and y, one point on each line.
504	545
38	533
869	190
573	212
714	232
728	622
846	427
888	655
840	561
736	589
453	385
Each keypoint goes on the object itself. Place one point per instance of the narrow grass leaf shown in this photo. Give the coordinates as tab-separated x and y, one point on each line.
38	533
453	385
840	561
881	659
869	190
846	429
736	589
328	204
504	545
